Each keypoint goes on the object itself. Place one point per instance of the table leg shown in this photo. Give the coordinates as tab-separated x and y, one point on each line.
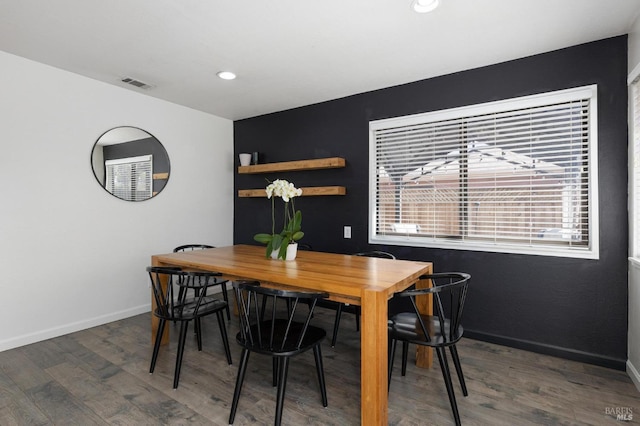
424	354
373	359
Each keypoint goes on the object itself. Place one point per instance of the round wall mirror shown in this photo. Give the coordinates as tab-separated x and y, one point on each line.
130	163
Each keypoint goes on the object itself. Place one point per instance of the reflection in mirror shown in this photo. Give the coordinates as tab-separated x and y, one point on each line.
130	163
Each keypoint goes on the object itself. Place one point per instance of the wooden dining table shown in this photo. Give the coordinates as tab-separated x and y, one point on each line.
365	281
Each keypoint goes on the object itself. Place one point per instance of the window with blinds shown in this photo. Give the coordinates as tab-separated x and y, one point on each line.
635	170
130	178
515	176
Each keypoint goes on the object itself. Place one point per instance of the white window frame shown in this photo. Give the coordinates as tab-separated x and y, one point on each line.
633	81
589	252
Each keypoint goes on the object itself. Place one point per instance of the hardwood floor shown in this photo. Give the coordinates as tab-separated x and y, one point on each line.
100	376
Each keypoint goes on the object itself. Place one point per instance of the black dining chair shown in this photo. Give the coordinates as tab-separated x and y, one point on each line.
340	307
185	309
223	287
440	330
279	333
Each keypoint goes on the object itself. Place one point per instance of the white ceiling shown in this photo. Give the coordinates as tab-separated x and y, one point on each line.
289	53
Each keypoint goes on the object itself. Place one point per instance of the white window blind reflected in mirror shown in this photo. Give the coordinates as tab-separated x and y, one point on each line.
130	179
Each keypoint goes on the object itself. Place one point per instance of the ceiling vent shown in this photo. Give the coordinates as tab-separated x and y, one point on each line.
137	83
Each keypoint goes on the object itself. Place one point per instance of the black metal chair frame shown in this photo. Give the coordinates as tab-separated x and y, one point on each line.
184	309
188	247
441	330
265	329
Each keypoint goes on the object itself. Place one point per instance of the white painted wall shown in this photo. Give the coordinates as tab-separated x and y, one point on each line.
633	42
73	256
633	340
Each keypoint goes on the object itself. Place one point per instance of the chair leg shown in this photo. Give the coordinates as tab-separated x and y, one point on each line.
275	370
156	346
336	325
405	354
283	367
244	359
197	325
446	374
317	354
391	355
223	333
184	325
456	362
226	299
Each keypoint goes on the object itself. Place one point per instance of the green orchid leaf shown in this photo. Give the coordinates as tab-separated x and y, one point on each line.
282	254
297	236
297	221
276	241
263	238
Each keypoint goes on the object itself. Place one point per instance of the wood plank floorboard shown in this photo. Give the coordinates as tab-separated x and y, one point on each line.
100	376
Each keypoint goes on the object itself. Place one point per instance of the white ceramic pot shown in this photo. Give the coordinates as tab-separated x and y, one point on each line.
274	253
292	251
245	159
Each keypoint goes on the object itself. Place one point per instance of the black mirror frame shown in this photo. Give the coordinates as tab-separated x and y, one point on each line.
131	148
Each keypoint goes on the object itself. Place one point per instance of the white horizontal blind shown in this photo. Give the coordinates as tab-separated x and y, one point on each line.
130	178
513	174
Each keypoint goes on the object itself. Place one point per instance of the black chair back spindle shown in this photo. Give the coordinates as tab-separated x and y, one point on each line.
192	247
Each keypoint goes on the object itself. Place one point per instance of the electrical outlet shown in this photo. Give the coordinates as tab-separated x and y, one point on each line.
347	232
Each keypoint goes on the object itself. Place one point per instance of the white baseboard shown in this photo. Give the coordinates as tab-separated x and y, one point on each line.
49	333
633	374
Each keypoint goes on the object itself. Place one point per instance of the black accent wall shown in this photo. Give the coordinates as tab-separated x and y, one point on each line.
573	308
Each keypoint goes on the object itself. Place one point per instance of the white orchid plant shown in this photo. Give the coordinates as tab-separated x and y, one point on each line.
291	231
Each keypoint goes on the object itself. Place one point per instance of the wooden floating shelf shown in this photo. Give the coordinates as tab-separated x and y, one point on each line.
161	175
306	192
291	166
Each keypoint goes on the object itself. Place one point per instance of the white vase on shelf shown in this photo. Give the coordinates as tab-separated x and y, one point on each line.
245	159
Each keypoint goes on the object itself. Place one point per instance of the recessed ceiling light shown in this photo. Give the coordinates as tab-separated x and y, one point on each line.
424	6
226	75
